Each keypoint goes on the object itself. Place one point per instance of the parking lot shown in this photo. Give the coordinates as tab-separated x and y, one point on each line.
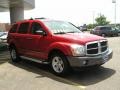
33	76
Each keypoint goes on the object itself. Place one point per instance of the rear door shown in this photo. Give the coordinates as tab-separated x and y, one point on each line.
22	36
106	30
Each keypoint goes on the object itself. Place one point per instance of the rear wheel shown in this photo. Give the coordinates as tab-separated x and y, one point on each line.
103	35
14	55
59	64
118	34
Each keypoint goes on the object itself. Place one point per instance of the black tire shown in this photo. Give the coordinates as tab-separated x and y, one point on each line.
115	35
103	35
112	35
14	55
118	34
61	58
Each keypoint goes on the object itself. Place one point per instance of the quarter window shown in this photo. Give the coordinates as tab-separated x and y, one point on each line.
14	28
23	28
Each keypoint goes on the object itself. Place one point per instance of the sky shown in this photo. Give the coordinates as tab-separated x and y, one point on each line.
76	11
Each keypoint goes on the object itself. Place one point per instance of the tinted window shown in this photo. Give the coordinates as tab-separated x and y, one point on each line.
97	28
35	27
105	28
13	29
23	28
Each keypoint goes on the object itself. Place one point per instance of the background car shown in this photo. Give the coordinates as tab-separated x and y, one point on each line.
83	28
117	30
1	33
3	36
104	31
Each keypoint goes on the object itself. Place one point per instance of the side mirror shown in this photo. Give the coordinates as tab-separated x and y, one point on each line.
40	32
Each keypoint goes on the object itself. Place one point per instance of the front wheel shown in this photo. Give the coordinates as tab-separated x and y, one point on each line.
59	64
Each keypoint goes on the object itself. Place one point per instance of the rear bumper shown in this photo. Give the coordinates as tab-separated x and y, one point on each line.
90	60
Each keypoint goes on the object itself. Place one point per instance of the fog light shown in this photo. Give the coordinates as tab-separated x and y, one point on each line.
85	62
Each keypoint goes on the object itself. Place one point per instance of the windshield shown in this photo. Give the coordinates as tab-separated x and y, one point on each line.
3	33
60	27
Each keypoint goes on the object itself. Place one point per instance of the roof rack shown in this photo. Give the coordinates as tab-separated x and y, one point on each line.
41	18
31	18
37	18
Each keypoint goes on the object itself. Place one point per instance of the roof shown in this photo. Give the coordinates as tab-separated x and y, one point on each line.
104	26
6	4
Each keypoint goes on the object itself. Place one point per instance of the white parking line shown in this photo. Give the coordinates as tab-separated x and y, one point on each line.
80	87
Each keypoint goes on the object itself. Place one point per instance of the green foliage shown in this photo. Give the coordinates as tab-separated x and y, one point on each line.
101	20
91	26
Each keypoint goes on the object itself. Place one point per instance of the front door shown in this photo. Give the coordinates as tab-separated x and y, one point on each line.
36	44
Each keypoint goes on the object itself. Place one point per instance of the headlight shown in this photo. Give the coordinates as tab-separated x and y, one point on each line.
78	50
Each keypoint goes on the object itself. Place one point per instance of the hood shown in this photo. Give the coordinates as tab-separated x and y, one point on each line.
79	38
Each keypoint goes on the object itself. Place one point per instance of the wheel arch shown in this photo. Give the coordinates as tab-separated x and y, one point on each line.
11	45
53	51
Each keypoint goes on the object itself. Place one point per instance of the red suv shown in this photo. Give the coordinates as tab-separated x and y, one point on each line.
57	43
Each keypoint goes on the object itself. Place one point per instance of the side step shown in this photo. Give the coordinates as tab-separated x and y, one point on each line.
34	60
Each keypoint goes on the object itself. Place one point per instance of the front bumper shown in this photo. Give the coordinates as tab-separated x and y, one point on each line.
90	60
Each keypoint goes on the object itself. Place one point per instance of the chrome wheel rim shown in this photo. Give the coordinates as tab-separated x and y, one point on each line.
13	54
57	64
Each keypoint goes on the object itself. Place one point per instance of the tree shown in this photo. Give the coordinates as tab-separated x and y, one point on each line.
91	26
101	20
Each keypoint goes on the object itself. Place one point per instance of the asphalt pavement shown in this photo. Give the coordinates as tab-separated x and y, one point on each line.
27	75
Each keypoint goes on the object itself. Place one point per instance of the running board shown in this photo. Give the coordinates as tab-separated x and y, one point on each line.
34	60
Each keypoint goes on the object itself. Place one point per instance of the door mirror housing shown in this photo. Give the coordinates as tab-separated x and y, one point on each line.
40	32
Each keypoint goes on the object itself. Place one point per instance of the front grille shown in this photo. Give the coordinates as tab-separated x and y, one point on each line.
92	51
97	47
94	45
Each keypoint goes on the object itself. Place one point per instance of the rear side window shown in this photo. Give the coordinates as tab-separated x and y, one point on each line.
97	28
23	28
105	28
13	29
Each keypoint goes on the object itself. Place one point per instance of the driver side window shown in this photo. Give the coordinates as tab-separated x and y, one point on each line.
35	27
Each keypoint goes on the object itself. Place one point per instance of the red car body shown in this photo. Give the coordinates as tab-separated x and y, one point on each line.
40	47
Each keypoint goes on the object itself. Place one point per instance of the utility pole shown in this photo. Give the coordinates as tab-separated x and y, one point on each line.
93	17
114	1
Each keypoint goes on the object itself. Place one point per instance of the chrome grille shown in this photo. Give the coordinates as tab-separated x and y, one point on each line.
103	45
96	47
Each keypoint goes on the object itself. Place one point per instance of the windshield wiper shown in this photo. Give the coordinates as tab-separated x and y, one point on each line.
60	33
71	32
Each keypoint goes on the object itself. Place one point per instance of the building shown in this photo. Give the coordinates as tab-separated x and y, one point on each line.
4	26
16	8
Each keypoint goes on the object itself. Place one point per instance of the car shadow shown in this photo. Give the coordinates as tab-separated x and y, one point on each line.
82	77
